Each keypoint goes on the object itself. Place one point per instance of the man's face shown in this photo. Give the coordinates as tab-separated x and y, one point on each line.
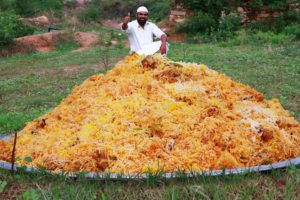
142	18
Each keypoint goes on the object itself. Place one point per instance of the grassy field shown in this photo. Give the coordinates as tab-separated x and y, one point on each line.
274	185
33	84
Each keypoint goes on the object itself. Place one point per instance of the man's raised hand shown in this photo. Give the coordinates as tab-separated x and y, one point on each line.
127	19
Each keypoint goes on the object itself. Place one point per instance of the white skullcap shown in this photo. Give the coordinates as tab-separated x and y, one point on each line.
142	9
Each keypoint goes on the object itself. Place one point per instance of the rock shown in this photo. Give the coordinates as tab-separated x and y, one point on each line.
240	9
293	5
114	42
41	21
177	15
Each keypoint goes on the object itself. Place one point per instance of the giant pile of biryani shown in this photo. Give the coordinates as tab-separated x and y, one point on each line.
150	114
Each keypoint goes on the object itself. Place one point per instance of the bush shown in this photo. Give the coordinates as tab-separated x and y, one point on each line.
288	18
158	10
207	20
228	26
200	23
271	37
245	37
223	31
270	4
6	4
118	9
211	7
278	25
12	27
34	7
275	4
25	7
203	26
256	4
293	30
257	26
113	8
292	16
90	14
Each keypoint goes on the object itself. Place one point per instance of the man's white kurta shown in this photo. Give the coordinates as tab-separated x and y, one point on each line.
139	37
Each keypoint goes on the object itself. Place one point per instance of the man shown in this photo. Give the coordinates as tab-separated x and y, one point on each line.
140	32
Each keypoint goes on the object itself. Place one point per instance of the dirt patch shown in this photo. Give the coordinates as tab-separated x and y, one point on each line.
15	190
86	40
111	24
47	42
41	43
72	69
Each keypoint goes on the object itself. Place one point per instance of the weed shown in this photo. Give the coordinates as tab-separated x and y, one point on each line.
3	184
31	194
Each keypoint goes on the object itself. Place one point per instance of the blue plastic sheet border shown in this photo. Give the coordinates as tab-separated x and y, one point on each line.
261	168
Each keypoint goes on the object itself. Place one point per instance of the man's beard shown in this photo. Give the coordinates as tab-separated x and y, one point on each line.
142	22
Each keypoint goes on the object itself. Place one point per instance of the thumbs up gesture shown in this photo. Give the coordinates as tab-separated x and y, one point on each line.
127	19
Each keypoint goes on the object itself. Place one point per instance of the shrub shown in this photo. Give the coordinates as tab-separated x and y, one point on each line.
158	10
256	4
34	7
212	7
258	26
6	4
270	37
270	4
278	25
200	23
288	18
293	30
118	9
12	27
292	16
90	14
49	4
114	8
228	26
207	20
275	4
245	37
25	7
203	26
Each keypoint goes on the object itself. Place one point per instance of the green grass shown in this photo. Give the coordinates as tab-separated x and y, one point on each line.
277	184
33	84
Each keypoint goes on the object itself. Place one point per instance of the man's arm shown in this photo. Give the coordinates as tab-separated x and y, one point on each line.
163	37
125	22
163	47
